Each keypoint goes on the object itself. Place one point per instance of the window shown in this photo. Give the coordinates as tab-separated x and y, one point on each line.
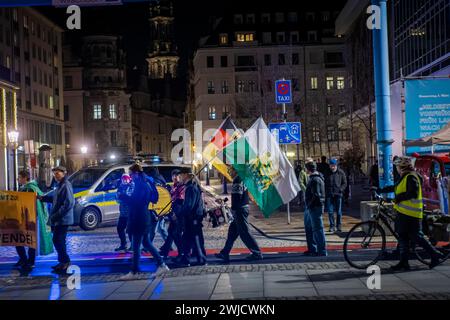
265	18
281	59
331	133
340	83
329	110
223	39
292	17
281	37
225	86
44	55
50	102
315	57
267	60
8	37
212	113
224	61
330	83
295	84
40	100
66	113
240	86
8	62
343	135
244	37
34	74
40	76
225	112
15	15
316	134
294	37
295	59
267	37
310	16
112	112
113	138
45	79
97	114
314	83
35	98
32	28
250	19
25	22
39	53
210	62
314	109
325	16
279	17
341	108
211	89
312	36
238	19
252	86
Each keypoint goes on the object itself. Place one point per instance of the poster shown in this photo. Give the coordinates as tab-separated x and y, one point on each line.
427	110
18	219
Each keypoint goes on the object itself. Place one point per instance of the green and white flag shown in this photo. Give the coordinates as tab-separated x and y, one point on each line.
263	167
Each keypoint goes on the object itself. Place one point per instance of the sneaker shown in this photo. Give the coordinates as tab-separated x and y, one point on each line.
254	257
323	254
161	270
129	276
222	256
121	248
332	229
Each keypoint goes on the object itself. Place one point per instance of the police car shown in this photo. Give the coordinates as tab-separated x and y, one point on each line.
95	190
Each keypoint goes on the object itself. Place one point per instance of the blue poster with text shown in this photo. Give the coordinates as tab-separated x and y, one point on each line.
427	110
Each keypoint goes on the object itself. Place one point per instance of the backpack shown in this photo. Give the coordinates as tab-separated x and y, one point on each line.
154	195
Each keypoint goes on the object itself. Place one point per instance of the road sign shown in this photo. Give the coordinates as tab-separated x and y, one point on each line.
283	91
287	132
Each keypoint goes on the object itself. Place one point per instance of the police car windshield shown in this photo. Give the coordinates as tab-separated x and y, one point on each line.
85	178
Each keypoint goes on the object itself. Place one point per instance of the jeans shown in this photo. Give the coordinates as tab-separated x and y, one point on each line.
315	234
410	233
21	251
121	227
138	238
59	241
334	204
175	232
160	227
239	227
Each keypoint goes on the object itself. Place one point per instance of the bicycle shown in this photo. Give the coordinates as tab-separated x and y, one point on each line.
369	237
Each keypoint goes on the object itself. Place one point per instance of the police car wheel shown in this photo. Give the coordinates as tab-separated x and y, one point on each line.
89	219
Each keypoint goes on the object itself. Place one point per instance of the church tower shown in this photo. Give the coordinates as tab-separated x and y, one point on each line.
163	57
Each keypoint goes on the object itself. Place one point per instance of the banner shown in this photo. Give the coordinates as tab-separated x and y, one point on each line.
18	219
427	110
66	3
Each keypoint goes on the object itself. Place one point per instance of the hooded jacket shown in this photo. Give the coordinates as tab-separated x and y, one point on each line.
193	201
315	191
63	203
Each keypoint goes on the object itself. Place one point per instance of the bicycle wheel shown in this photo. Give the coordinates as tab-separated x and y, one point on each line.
424	257
364	245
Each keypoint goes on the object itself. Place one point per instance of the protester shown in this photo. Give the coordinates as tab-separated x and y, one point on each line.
408	204
335	185
158	223
315	199
26	261
323	167
193	213
138	199
396	174
239	227
302	181
175	217
61	216
124	209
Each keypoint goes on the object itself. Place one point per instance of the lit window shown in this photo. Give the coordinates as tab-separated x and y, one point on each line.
240	86
50	102
224	86
252	86
223	39
97	111
212	113
329	110
25	22
245	37
112	111
330	83
211	89
340	83
314	83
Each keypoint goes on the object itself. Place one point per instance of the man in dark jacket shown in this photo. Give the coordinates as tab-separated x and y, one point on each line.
192	211
239	227
335	185
323	167
138	199
61	216
315	199
124	209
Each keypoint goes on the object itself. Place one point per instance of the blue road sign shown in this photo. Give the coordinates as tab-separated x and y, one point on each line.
283	91
287	133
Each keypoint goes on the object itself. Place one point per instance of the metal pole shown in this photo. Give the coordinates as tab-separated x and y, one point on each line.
382	95
285	152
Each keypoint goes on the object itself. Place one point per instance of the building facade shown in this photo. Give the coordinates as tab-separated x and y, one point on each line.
97	108
31	56
236	66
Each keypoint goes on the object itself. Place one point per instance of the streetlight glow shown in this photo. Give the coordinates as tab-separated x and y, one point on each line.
84	149
13	137
112	157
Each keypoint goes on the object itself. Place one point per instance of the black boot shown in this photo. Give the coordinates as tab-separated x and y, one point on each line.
402	265
436	259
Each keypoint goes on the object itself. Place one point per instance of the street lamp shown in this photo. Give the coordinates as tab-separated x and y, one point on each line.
84	150
13	137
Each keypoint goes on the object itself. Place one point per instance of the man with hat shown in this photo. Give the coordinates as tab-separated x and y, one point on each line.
335	185
61	216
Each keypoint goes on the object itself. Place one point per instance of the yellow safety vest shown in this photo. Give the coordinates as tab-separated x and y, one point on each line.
412	207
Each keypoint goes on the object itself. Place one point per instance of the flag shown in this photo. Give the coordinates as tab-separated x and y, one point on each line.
263	167
226	133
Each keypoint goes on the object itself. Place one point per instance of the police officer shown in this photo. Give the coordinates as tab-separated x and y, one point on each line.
408	204
239	226
124	209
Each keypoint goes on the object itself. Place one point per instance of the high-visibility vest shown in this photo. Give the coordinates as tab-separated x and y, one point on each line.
412	207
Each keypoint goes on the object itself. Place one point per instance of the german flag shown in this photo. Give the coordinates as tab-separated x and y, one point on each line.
225	134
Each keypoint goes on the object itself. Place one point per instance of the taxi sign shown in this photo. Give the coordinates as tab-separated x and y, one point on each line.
283	91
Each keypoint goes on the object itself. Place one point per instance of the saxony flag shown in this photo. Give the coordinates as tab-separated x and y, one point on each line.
226	133
264	169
